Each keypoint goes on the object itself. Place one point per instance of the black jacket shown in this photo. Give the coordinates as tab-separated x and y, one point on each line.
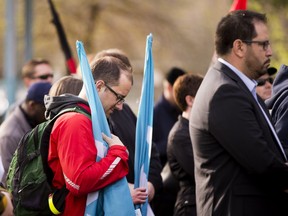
181	162
123	124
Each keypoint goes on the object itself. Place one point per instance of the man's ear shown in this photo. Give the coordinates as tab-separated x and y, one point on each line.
31	107
99	85
31	103
189	100
239	48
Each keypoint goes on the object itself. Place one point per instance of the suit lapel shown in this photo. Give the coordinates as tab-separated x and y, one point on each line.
222	68
260	115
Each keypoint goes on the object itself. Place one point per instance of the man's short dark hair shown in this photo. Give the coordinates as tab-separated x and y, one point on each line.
117	53
237	24
108	69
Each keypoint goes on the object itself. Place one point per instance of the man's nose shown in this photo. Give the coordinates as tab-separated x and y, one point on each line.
119	106
269	51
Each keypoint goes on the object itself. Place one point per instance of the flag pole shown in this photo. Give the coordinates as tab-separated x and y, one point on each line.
70	62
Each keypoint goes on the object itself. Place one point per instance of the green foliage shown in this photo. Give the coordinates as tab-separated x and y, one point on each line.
275	3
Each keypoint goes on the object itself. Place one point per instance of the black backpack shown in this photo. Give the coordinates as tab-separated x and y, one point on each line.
29	177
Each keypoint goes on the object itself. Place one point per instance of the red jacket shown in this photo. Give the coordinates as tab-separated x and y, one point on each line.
72	158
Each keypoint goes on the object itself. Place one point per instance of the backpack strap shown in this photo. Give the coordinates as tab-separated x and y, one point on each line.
36	137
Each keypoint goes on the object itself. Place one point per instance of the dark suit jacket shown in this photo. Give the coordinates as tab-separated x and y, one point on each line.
123	124
239	167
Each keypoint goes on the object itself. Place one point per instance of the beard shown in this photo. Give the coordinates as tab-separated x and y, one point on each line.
262	71
256	68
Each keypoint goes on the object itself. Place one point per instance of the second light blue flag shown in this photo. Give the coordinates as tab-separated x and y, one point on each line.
145	124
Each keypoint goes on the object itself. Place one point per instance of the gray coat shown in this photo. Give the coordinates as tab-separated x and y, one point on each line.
11	132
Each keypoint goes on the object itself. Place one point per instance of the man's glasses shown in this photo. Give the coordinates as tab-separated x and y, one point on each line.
120	98
261	82
44	77
264	44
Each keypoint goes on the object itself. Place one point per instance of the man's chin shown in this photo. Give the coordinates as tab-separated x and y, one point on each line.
266	66
109	113
262	72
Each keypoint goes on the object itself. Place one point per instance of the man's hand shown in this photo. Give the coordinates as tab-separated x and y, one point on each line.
114	140
139	195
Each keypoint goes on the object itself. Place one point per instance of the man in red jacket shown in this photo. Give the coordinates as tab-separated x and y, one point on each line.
72	151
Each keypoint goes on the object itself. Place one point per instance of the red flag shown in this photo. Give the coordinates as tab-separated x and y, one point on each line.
70	62
239	5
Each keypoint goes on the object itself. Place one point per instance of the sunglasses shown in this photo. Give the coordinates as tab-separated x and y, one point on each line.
261	82
44	77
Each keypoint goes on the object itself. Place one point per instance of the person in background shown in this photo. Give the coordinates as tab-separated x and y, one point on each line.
278	105
126	132
35	70
165	113
240	166
72	151
264	84
25	117
66	85
179	149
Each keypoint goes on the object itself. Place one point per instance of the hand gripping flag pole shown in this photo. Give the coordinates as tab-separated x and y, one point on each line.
144	125
115	199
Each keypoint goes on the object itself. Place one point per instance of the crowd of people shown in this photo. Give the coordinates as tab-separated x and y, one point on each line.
219	143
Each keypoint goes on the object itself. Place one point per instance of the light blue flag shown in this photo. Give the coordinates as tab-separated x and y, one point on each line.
144	124
115	199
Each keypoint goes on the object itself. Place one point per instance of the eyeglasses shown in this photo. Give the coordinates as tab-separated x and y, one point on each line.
120	98
261	82
264	44
44	77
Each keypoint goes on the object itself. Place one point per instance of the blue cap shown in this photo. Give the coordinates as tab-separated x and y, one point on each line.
37	91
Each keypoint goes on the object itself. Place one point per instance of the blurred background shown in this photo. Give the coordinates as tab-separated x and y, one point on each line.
183	34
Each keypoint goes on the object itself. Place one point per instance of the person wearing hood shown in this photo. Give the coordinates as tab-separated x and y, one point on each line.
72	150
278	104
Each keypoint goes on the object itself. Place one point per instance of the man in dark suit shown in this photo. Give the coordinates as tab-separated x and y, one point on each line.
240	165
